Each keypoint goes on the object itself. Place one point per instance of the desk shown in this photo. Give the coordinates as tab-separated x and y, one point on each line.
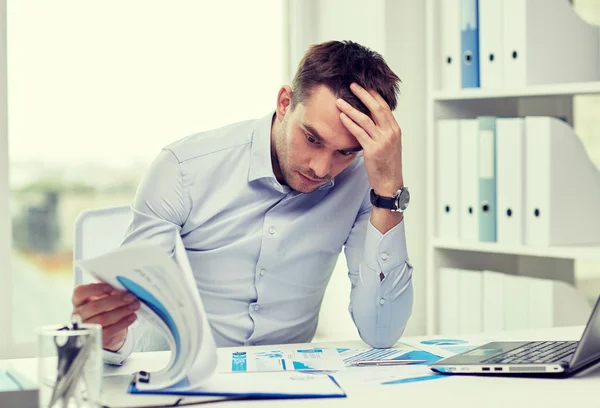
580	391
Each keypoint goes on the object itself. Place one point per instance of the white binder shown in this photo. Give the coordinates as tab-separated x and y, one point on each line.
447	178
545	42
510	156
541	303
516	302
491	53
449	303
468	201
493	302
450	55
563	186
470	301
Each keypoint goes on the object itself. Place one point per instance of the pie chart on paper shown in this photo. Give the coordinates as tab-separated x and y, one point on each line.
444	342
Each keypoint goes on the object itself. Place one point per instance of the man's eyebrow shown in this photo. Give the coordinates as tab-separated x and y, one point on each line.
312	131
316	135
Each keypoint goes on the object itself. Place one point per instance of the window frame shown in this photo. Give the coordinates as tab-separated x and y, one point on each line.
9	348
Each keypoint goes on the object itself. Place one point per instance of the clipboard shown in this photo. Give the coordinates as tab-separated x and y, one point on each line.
279	385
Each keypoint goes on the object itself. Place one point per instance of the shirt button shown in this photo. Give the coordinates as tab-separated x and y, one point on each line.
256	307
384	256
381	301
262	272
272	230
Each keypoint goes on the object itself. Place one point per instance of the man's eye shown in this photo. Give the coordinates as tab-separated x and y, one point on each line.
346	153
311	139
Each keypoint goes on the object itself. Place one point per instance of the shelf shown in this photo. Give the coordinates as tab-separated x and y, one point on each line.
578	88
562	252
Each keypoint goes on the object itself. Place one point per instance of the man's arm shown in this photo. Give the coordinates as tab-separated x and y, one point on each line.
159	209
380	272
381	300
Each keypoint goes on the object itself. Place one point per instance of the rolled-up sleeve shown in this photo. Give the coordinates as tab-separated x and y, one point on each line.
381	297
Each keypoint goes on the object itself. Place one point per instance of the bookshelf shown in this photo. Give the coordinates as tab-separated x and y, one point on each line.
566	89
557	100
591	253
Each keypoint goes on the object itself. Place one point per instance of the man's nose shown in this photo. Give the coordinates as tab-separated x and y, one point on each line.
321	165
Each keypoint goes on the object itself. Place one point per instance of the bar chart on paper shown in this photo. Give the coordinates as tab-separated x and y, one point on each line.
311	359
403	353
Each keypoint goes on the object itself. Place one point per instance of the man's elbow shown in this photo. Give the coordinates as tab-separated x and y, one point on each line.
387	336
383	337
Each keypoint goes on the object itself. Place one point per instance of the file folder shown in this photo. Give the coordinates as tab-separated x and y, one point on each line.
491	52
493	302
470	301
510	180
546	41
563	186
265	385
516	302
447	178
469	39
487	179
469	181
449	301
450	58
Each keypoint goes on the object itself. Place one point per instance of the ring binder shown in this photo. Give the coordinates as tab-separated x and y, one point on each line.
140	376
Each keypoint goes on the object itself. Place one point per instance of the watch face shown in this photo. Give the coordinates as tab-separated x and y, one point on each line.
403	199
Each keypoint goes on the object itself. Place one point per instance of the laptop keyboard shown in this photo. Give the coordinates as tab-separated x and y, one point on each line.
538	352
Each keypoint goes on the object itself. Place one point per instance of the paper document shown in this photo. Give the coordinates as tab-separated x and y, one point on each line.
283	359
446	347
403	352
169	301
264	385
381	376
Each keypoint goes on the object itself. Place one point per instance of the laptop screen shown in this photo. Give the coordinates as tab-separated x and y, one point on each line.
588	349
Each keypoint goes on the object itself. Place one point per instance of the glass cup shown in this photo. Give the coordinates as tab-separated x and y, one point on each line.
70	365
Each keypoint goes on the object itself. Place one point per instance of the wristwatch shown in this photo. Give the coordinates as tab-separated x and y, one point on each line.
396	203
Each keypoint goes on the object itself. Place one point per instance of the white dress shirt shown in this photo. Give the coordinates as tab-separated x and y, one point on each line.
262	254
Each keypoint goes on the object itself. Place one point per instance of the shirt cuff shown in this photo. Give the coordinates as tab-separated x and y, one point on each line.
118	357
385	252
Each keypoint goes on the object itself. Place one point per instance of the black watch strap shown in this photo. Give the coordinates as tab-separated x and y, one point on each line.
383	202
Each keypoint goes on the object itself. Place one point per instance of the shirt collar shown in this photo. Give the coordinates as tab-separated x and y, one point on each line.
260	162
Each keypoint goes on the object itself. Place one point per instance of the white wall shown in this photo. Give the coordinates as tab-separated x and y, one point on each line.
394	28
5	299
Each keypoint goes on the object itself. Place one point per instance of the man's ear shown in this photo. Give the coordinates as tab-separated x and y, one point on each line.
284	102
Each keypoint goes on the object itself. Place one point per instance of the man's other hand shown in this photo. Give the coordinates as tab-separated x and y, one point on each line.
114	310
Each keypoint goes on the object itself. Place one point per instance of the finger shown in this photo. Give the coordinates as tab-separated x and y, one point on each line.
111	332
358	117
106	304
83	292
359	133
377	110
111	317
377	96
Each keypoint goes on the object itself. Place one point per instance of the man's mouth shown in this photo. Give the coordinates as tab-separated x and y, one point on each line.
310	180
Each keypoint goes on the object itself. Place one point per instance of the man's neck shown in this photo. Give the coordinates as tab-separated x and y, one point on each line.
274	158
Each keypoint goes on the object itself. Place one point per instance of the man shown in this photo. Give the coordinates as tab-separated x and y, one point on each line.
264	208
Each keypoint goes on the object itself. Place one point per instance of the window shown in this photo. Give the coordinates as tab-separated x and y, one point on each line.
95	90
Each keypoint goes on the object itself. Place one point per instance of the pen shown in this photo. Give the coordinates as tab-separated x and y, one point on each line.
385	362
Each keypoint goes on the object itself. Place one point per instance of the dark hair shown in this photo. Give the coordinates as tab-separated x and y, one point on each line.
336	64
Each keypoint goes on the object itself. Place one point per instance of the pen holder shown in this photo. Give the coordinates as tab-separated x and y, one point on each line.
70	365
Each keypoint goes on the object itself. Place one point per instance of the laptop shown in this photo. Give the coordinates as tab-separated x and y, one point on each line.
531	358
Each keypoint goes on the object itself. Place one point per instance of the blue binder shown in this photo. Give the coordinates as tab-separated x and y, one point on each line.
487	179
469	43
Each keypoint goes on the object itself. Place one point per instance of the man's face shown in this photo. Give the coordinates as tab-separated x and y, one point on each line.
311	145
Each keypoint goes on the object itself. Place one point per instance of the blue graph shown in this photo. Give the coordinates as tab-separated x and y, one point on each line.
443	342
301	366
